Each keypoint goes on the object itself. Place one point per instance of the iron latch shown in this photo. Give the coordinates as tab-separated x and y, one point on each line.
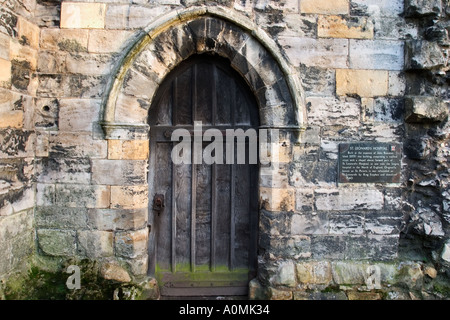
158	202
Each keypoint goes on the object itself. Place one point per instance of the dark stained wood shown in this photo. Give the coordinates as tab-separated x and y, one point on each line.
204	241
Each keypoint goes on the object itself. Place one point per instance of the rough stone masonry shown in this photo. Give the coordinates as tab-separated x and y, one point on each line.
77	80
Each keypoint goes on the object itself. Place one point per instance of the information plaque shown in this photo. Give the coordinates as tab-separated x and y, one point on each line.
369	162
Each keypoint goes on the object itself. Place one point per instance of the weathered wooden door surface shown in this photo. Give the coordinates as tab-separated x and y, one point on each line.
203	241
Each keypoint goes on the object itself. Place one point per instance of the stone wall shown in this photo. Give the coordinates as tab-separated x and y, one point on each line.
19	45
77	80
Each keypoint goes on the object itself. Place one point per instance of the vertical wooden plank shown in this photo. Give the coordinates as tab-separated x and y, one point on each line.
193	213
182	98
203	88
232	217
203	217
224	95
213	215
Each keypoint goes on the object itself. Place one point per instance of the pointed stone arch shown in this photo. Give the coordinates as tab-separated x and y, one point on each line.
175	37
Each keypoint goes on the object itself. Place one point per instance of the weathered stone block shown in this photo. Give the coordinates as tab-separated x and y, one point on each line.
45	194
324	53
76	145
285	275
119	172
55	242
131	109
112	271
88	64
5	70
314	272
107	41
82	15
425	109
376	55
324	111
131	244
117	219
339	27
327	247
28	33
70	40
364	83
345	224
278	199
25	54
348	199
62	170
324	6
11	119
82	196
61	218
383	8
421	54
129	197
309	224
95	244
79	115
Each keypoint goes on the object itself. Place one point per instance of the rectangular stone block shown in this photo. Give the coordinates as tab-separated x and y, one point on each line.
5	70
327	111
324	53
11	119
79	15
348	199
346	224
364	83
377	55
128	149
117	219
307	224
340	27
61	218
324	6
314	272
129	197
383	8
4	46
88	64
68	40
76	145
55	242
107	41
45	194
79	115
131	109
119	172
277	199
28	33
82	196
131	244
64	170
25	54
95	244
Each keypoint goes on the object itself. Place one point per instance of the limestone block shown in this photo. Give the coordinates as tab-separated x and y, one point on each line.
314	272
76	145
130	109
63	170
128	149
324	53
339	27
79	115
138	85
364	83
61	218
382	224
285	275
107	41
348	199
95	244
397	84
70	40
88	64
324	6
82	196
28	33
5	70
129	197
45	194
117	219
278	199
55	242
131	244
345	224
422	54
377	8
323	111
309	224
119	172
51	62
304	200
27	54
11	119
376	55
423	109
79	15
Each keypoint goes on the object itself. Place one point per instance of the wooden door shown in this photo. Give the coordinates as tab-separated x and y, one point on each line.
204	240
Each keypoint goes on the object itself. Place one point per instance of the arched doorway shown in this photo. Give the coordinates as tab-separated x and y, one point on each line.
204	215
